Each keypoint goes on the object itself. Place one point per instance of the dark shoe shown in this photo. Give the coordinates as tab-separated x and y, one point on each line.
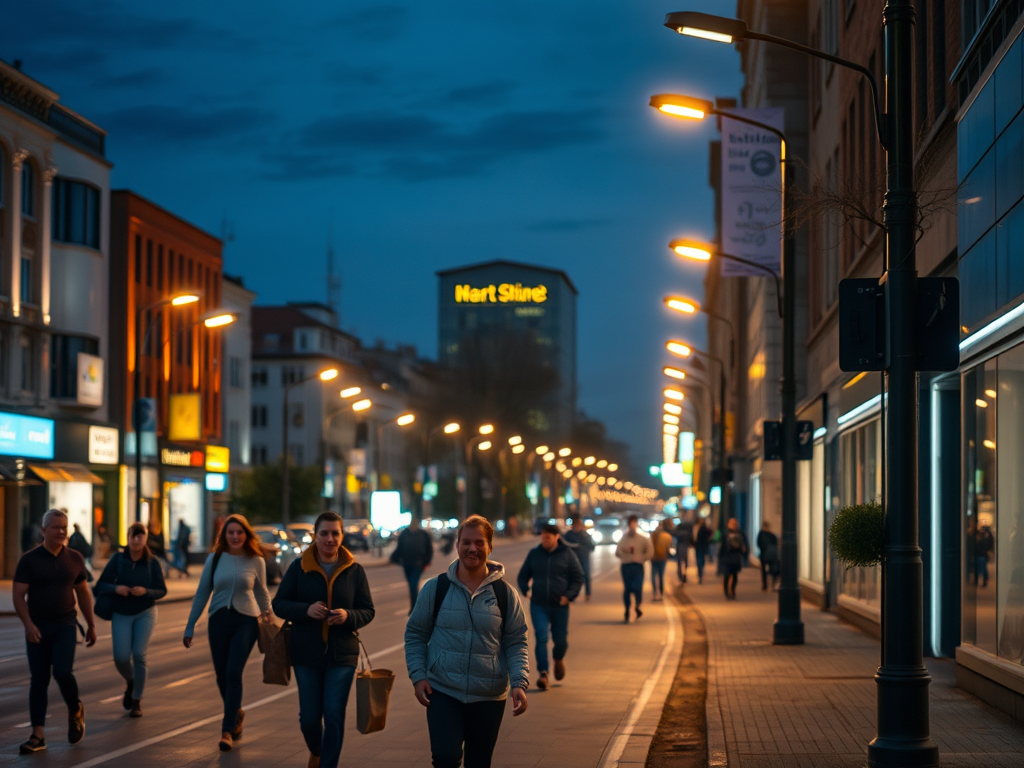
226	743
587	598
627	616
33	745
126	702
314	761
76	724
237	733
542	681
639	613
559	669
136	708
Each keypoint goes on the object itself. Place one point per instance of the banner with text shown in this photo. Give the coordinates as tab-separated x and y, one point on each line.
751	192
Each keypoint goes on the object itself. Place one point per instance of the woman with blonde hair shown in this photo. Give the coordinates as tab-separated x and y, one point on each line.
234	582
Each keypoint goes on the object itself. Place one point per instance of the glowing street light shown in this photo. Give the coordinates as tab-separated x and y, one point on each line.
674	394
361	405
517	449
692	249
549	456
541	450
563	452
590	460
515	440
452	428
679	304
350	392
674	373
678	348
613	467
405	419
668	418
673	408
486	429
485	445
220	318
329	375
183	299
602	464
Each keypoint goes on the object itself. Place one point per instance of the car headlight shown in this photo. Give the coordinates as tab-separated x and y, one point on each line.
617	537
596	536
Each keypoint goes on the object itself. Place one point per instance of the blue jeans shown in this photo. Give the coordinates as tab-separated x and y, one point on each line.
585	565
981	569
323	697
454	726
682	560
632	583
413	574
699	555
56	651
232	636
130	638
558	620
658	576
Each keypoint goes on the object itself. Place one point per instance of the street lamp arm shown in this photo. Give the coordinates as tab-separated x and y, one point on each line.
762	268
755	123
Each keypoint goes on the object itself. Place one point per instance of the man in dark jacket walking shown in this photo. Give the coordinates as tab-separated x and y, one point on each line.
768	553
414	552
557	580
582	544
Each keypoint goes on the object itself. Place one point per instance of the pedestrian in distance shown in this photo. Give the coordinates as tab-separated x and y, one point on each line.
633	550
234	583
661	548
136	581
984	545
157	544
701	546
48	580
557	578
682	532
414	552
732	553
768	554
467	651
583	545
81	545
181	547
103	544
326	597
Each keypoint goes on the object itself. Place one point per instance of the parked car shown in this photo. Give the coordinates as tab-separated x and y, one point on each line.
356	534
280	549
302	532
607	530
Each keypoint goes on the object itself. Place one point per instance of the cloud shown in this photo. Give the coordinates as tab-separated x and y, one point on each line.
376	25
186	125
567	225
481	92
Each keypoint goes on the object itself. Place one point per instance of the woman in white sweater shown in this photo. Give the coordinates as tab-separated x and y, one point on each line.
234	582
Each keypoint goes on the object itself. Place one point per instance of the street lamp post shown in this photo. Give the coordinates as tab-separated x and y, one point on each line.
175	301
903	720
327	375
399	421
485	431
355	406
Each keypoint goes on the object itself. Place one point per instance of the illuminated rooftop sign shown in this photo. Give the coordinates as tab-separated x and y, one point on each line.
505	293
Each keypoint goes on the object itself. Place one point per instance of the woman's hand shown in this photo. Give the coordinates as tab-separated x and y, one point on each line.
138	591
423	692
267	616
122	590
337	616
317	611
518	701
187	641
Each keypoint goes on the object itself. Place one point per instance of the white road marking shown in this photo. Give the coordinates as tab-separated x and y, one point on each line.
205	721
187	680
112	699
402	612
618	745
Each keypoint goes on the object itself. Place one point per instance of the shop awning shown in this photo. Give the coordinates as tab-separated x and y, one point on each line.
59	472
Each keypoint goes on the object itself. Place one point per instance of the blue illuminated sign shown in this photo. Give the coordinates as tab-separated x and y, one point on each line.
216	481
28	437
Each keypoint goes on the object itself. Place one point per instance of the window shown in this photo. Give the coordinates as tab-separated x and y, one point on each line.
138	258
972	15
28	371
234	437
235	372
303	340
860	456
939	75
64	363
76	213
259	415
830	31
159	267
259	454
258	378
28	188
26	280
149	263
298	415
295	452
290	375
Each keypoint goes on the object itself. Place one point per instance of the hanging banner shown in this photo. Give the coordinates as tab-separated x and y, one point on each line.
751	193
185	417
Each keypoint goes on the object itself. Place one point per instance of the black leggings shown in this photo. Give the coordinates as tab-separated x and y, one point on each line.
731	577
453	724
232	636
56	651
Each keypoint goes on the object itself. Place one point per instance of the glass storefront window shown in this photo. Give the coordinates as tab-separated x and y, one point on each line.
860	456
1009	568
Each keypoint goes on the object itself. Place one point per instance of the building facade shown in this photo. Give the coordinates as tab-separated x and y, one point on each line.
59	447
486	308
156	256
236	381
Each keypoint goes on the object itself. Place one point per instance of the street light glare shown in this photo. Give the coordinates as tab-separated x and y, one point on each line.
682	305
549	456
486	429
671	429
405	419
577	461
183	299
517	449
450	429
674	394
563	452
692	249
485	445
602	464
541	450
590	460
668	418
567	474
673	408
681	106
216	321
678	348
361	405
350	392
674	373
705	34
515	440
706	26
613	467
329	374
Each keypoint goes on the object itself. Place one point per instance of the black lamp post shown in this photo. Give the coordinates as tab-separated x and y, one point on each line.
903	720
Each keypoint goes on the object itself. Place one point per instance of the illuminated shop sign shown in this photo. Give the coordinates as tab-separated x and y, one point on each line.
27	436
505	293
178	457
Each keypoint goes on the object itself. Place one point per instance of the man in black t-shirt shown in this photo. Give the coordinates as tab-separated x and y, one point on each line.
46	582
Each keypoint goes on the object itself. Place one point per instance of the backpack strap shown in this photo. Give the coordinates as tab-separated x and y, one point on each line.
444	583
501	593
213	568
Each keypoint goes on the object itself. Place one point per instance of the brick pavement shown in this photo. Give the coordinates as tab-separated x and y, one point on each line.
814	705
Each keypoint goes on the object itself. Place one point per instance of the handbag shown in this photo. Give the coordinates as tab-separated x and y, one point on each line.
273	643
103	602
373	693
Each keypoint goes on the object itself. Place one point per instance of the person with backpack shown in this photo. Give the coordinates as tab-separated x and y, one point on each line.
467	651
701	546
661	550
682	532
732	554
234	583
135	580
768	554
81	545
326	597
583	545
557	580
414	552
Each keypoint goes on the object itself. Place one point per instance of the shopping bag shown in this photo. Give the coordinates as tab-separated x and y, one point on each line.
273	642
373	692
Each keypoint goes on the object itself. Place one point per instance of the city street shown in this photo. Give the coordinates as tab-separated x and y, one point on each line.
602	714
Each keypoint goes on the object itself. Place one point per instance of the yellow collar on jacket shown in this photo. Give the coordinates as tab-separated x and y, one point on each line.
310	563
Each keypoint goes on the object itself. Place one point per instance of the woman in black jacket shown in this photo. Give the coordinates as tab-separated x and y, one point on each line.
327	598
136	580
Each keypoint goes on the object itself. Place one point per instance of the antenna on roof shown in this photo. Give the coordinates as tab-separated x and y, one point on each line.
333	280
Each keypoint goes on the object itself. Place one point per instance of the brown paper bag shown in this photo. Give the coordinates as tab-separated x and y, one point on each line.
273	642
373	692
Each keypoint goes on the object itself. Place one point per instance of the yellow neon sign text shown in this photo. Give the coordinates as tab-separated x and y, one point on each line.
504	293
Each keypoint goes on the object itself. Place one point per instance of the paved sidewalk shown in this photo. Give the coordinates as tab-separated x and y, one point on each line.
814	705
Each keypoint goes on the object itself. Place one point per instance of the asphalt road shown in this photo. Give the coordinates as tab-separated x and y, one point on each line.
576	723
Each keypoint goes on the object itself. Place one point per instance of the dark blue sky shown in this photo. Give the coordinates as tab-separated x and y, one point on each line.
438	134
